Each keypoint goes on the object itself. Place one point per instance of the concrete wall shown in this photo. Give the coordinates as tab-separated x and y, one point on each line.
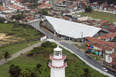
48	25
56	7
57	72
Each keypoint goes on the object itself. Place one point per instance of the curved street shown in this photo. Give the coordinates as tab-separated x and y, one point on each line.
75	50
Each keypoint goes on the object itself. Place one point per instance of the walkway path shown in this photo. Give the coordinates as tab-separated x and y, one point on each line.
21	52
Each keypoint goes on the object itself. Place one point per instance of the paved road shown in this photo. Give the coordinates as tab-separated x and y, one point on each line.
78	52
36	26
20	52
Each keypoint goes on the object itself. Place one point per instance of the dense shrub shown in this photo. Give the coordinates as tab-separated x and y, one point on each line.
1	20
48	44
45	49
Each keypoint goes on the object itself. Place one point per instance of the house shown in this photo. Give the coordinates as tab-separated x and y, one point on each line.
109	27
35	11
28	4
107	37
102	6
44	6
93	22
103	22
100	47
16	7
60	7
113	61
71	8
5	10
94	6
67	18
83	18
110	60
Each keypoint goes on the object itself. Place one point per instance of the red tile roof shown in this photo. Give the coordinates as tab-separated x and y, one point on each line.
17	7
103	21
3	8
71	6
44	6
35	10
113	56
113	63
101	42
66	18
106	36
100	46
104	4
30	18
28	3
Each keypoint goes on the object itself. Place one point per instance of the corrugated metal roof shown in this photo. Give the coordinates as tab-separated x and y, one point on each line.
72	29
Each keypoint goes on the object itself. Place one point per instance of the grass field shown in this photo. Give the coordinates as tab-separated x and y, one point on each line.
19	34
15	48
5	28
101	15
74	69
25	32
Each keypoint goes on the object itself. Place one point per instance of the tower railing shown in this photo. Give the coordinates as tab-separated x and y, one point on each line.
52	57
51	66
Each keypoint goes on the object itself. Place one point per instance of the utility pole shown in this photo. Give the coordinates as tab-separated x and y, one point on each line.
80	4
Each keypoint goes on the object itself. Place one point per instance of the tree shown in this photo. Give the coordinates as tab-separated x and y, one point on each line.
1	20
48	44
14	71
26	73
38	66
6	55
88	9
44	12
13	17
26	21
19	17
86	73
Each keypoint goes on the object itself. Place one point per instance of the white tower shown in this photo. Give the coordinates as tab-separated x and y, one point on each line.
57	65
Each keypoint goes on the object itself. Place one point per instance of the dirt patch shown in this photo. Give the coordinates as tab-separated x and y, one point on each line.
4	39
3	36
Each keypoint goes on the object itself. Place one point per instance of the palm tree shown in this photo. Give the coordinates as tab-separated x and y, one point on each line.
38	66
86	73
14	71
6	55
26	73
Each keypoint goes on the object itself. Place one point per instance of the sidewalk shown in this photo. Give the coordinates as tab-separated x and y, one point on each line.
21	52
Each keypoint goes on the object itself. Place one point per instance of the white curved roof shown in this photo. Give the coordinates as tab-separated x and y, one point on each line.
72	29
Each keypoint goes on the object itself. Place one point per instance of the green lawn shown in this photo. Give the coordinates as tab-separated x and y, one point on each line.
24	32
5	28
15	48
74	69
101	15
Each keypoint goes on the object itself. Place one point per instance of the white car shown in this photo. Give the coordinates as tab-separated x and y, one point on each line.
104	69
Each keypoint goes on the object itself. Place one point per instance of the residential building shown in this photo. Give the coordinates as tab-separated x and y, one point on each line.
100	47
61	7
44	6
107	37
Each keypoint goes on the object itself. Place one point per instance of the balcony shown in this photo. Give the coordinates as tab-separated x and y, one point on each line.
52	57
51	66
